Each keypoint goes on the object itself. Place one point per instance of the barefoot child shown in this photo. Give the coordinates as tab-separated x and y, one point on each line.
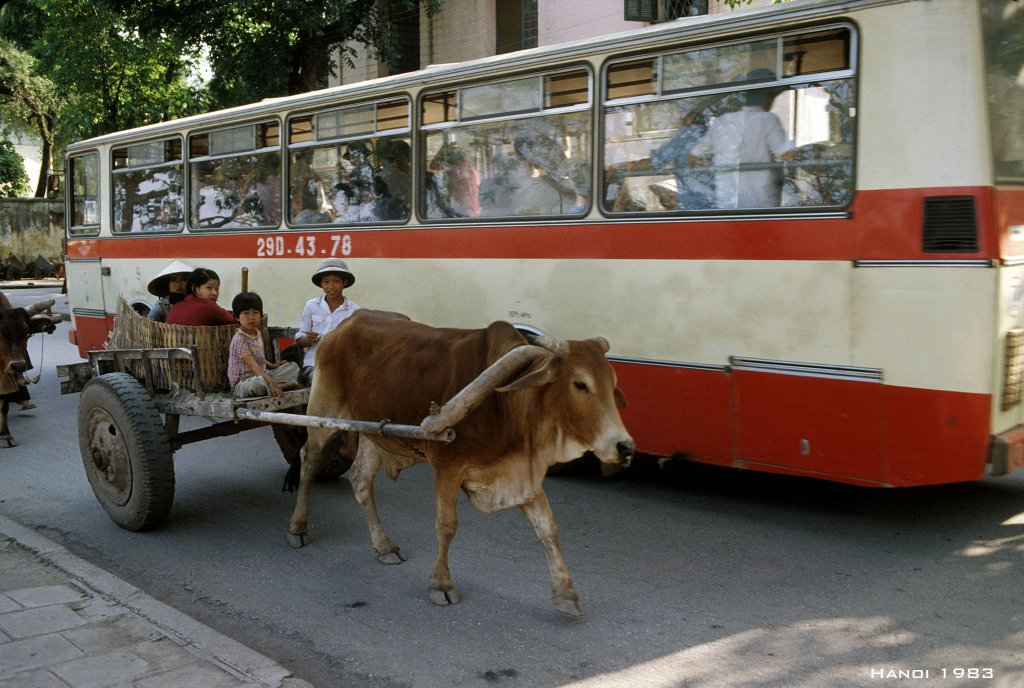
248	371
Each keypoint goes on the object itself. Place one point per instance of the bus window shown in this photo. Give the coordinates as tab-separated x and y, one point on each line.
725	132
1003	25
236	177
511	148
341	170
84	191
148	187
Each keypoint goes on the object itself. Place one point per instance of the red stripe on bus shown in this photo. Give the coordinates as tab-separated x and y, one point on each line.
865	433
882	225
1009	212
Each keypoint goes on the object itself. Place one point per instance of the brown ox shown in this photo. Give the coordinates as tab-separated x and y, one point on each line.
16	324
554	407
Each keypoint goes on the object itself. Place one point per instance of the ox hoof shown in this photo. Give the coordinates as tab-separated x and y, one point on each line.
6	441
443	597
394	556
298	540
568	607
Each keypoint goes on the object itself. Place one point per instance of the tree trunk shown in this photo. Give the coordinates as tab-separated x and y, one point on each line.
45	165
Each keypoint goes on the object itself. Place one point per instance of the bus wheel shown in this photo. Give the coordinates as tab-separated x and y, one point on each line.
124	447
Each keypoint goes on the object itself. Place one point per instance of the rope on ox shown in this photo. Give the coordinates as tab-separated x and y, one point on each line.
34	312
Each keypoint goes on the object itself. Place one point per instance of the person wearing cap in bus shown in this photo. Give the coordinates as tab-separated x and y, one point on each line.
171	280
325	312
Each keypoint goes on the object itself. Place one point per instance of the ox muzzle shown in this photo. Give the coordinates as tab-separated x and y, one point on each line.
626	450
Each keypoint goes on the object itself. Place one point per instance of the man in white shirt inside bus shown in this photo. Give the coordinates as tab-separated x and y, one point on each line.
743	147
323	313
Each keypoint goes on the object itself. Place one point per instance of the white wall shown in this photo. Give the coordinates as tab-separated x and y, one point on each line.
30	151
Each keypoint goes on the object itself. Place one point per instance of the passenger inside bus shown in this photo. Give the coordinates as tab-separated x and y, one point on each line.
395	179
744	148
454	182
198	306
325	312
694	184
307	207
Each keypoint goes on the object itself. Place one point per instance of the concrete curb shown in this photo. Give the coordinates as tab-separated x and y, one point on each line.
199	638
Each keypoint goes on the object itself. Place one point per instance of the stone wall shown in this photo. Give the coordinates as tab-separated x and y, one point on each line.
31	230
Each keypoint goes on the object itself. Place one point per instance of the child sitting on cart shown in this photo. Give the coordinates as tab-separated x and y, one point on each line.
249	372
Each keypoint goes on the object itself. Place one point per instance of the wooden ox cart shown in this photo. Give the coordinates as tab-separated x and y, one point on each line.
135	392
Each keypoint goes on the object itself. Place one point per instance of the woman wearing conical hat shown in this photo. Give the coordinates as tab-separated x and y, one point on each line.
171	280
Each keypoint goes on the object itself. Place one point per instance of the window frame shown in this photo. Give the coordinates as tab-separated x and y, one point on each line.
114	172
458	122
780	36
91	229
190	191
408	131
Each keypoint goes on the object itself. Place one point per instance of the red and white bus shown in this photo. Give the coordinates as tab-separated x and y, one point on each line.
848	305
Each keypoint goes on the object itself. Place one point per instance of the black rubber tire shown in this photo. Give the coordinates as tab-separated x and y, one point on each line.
125	451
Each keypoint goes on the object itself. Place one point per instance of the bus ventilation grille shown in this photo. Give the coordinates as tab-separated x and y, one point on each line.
1013	367
950	225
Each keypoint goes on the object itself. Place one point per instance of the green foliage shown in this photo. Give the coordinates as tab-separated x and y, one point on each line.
266	48
13	179
28	103
111	77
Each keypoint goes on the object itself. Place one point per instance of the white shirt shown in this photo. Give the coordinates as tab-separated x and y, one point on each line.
749	135
318	317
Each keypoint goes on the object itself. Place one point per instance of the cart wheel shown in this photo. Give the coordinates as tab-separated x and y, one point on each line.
125	451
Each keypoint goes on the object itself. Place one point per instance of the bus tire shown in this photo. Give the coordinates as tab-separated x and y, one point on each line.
125	451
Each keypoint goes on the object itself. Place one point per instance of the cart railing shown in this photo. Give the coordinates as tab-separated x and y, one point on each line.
121	357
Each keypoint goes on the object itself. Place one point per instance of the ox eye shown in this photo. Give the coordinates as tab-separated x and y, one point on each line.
581	386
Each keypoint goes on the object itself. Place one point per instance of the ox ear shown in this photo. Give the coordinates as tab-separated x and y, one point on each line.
620	398
542	372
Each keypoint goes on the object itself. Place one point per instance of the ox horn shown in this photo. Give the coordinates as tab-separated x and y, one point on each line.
473	394
39	307
603	343
558	347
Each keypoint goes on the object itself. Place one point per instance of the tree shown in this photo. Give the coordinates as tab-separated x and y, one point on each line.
13	180
111	77
30	105
266	48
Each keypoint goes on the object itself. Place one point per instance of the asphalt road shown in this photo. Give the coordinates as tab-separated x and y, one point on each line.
689	575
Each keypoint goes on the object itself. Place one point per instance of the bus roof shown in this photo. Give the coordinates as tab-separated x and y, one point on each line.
690	28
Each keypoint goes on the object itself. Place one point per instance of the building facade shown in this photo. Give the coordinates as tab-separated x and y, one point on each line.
471	29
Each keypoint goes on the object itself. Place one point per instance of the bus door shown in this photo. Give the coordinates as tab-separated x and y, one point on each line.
91	321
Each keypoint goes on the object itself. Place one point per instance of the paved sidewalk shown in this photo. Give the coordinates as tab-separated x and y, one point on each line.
66	623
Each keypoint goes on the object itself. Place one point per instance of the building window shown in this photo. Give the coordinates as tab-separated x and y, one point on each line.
516	25
676	9
653	11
